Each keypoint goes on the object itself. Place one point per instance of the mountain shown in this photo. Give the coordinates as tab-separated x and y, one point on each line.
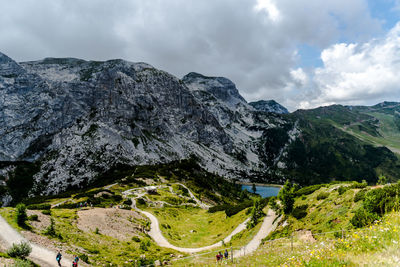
65	123
269	106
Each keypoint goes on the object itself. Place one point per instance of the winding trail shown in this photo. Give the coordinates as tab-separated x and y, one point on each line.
269	224
156	234
39	254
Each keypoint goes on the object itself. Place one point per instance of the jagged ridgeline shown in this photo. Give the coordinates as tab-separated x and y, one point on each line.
65	122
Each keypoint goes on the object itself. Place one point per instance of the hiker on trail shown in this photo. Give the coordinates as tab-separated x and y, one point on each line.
218	258
226	254
221	257
58	258
76	260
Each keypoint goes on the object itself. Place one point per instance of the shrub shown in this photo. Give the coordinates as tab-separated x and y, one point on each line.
218	208
232	210
84	257
39	207
140	201
21	216
308	190
300	211
363	218
33	217
274	205
342	190
136	239
144	244
322	195
128	202
51	230
360	195
256	213
46	212
21	250
97	231
357	185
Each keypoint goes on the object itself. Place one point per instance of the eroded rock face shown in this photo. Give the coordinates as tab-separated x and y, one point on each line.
79	118
269	106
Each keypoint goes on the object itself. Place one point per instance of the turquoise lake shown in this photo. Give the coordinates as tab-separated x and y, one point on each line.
264	191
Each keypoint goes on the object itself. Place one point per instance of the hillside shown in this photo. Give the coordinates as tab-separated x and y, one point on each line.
65	123
337	224
109	225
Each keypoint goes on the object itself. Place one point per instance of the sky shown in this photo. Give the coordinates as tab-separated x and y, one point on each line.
302	53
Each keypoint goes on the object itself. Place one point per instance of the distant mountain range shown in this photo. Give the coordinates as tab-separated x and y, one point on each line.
64	122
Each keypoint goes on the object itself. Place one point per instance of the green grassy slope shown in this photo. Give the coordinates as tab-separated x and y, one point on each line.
339	143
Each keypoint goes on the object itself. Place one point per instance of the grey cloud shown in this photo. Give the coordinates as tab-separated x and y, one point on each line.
220	38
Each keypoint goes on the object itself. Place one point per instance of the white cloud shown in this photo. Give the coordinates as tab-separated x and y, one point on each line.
358	73
269	7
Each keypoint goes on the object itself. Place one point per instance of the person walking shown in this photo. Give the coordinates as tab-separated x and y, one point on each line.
58	258
226	254
75	262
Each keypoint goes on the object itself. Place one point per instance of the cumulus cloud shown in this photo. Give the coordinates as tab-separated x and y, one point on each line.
358	73
252	42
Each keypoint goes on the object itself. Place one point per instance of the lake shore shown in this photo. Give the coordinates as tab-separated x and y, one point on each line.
258	184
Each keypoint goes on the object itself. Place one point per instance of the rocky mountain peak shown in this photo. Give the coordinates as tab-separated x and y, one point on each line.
221	88
269	106
8	67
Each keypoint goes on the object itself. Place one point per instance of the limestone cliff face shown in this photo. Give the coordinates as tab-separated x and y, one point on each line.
79	118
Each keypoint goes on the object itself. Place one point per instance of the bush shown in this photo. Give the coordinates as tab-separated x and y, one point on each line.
140	201
51	230
128	202
218	208
274	205
363	218
84	257
46	212
322	195
39	207
300	212
136	239
144	244
308	190
33	217
21	216
256	213
232	210
21	250
342	190
360	195
357	185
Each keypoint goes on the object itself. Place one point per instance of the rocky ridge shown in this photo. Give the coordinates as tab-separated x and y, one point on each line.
79	118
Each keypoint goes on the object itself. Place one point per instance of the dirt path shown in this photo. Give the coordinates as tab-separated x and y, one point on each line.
156	234
267	227
198	202
39	255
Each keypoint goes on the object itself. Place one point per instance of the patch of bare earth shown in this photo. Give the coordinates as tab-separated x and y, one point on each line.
306	236
43	220
118	223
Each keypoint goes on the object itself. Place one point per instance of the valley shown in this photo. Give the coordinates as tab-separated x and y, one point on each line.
124	164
